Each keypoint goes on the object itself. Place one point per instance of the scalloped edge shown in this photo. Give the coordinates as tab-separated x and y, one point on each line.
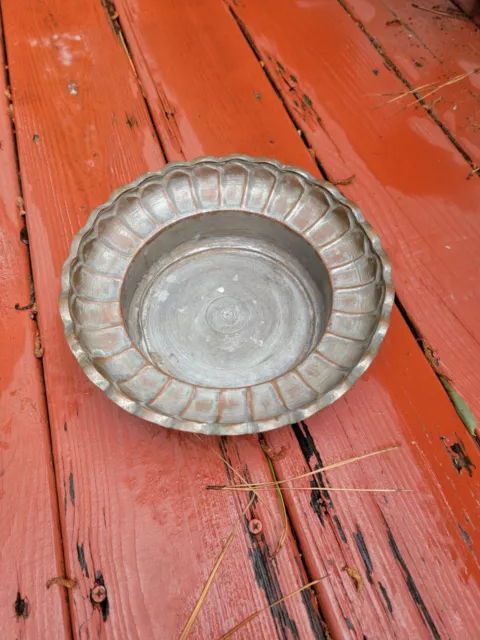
242	428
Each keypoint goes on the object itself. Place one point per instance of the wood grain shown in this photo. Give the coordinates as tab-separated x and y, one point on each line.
414	559
410	179
135	514
409	548
30	542
426	48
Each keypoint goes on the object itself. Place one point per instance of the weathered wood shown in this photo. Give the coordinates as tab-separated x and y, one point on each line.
430	47
30	542
219	101
135	513
410	179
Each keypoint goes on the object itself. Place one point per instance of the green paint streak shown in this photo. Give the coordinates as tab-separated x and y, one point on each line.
461	407
307	100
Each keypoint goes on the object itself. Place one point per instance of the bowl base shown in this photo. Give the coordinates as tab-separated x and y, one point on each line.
227	313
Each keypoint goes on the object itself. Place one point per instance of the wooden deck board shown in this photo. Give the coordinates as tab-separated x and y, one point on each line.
443	507
410	179
136	515
430	47
135	511
30	541
216	94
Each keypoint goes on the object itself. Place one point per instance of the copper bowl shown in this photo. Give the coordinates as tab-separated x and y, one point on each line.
226	295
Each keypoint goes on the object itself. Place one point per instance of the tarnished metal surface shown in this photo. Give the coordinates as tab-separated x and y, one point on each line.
226	295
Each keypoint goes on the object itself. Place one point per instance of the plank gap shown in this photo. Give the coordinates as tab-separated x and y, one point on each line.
114	21
241	25
250	41
429	354
389	63
24	229
393	67
468	16
322	630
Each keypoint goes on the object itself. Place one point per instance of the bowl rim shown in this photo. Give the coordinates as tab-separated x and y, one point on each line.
240	428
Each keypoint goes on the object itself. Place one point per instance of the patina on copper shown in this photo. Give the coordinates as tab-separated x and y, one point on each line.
226	295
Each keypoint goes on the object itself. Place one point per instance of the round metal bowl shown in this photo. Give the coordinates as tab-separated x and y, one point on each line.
226	295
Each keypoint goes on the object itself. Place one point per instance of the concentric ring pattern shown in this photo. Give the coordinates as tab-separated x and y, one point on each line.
103	252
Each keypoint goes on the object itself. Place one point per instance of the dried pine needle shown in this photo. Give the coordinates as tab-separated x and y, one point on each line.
230	633
403	94
283	510
445	14
326	489
328	467
352	489
208	584
445	84
434	86
473	172
244	483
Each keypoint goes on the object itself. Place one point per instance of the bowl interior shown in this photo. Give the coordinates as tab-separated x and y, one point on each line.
226	299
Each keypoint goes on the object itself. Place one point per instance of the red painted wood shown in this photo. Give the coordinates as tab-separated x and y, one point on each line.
470	8
30	543
434	529
429	47
206	88
410	180
135	512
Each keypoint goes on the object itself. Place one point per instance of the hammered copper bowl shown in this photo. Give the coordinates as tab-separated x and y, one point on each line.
226	295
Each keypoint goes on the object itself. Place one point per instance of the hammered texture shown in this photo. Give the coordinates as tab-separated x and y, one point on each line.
103	251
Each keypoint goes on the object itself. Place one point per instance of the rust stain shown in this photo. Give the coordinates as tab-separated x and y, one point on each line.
21	205
344	182
274	455
356	577
37	346
68	583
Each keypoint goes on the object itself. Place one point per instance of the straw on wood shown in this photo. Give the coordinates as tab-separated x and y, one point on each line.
257	613
327	489
445	14
398	95
208	583
458	78
238	474
328	467
403	94
283	510
437	85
